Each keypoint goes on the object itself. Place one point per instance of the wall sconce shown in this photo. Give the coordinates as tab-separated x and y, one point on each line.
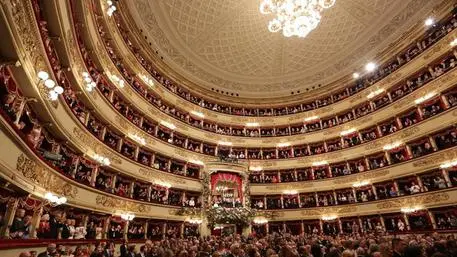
138	139
290	192
375	93
54	200
392	146
111	8
168	124
320	163
147	80
120	82
286	144
101	160
348	132
329	217
90	84
312	118
425	97
195	221
361	183
162	184
127	216
260	221
53	90
252	124
255	168
198	162
448	164
198	114
411	209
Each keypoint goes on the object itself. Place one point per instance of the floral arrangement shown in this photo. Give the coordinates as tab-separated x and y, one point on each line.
239	216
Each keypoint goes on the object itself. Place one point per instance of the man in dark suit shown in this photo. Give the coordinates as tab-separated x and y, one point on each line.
65	234
124	248
50	251
398	247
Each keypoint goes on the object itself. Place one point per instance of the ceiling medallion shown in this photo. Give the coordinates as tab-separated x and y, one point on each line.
294	17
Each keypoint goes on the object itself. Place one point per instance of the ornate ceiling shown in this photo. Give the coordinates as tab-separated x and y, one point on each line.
225	44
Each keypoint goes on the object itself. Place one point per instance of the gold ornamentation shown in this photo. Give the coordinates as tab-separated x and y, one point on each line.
95	145
399	136
290	186
44	177
362	176
159	177
414	200
121	204
436	158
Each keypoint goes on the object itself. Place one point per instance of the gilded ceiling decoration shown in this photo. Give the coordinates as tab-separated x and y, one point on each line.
226	45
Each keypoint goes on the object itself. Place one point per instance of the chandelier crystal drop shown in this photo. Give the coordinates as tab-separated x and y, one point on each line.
294	17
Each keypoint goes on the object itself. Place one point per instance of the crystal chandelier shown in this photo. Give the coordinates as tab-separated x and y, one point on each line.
294	17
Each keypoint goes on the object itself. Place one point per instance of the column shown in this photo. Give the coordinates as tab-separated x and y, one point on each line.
432	219
383	224
94	175
445	102
182	230
302	225
354	194
126	230
433	143
36	222
146	228
9	217
387	155
446	177
106	227
164	230
282	201
405	217
419	182
321	226
132	188
373	188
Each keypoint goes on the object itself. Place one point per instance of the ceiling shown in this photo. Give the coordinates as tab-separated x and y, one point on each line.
225	44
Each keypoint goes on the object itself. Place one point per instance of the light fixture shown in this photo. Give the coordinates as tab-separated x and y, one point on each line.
449	164
147	80
226	143
411	209
285	144
198	114
195	221
111	8
255	168
102	160
168	124
425	98
43	75
117	80
252	124
454	42
371	66
294	17
348	131
260	220
429	22
290	192
54	90
49	83
55	200
329	217
162	184
355	75
312	118
90	85
361	183
127	216
198	162
138	139
319	163
375	93
392	146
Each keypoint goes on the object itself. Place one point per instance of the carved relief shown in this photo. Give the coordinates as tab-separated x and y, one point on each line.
121	204
159	178
44	177
415	200
95	145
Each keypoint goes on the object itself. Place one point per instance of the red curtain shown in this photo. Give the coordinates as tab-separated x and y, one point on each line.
229	177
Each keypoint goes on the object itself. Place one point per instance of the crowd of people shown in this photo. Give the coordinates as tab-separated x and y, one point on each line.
273	245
